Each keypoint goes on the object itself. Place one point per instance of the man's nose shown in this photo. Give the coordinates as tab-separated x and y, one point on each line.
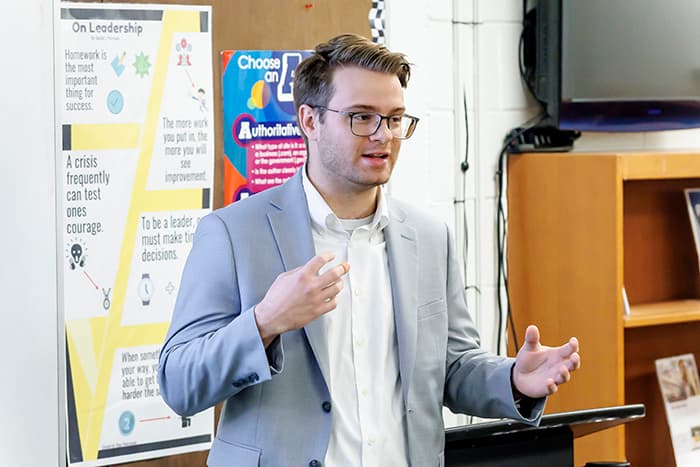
383	133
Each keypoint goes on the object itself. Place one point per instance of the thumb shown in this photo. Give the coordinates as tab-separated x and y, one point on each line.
532	338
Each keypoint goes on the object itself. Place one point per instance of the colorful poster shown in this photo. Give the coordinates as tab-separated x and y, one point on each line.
262	141
135	176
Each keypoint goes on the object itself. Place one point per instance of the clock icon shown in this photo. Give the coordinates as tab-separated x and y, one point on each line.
115	101
146	289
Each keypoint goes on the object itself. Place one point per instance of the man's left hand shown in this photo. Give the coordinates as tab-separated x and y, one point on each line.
539	369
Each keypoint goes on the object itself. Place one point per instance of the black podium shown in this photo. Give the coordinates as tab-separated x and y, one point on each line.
506	443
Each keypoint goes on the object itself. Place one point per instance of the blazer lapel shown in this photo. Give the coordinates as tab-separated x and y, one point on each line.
403	267
291	227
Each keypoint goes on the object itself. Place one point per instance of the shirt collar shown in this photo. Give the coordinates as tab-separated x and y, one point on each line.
323	218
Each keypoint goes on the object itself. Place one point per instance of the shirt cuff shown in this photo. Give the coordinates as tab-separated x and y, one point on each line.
275	355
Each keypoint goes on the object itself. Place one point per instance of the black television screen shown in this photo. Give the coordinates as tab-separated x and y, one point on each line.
619	65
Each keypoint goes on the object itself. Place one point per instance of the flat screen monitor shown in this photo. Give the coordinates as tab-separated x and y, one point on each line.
618	65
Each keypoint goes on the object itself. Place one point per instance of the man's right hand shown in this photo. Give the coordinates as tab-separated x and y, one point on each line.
299	296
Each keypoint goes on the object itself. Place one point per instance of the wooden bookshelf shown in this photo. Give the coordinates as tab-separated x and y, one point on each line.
581	227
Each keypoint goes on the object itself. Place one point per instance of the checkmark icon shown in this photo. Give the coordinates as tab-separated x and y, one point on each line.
115	101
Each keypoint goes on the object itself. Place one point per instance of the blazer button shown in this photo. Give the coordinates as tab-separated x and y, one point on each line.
326	406
315	463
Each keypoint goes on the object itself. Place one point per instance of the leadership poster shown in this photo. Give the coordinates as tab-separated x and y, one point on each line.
262	141
134	96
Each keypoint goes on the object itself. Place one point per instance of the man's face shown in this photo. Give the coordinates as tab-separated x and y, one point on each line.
342	162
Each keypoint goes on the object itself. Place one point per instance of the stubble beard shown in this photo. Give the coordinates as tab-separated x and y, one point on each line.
340	167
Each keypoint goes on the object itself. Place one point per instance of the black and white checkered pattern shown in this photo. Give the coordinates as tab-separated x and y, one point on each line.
376	21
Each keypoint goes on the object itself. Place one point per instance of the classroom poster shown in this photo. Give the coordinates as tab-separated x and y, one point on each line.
262	141
134	87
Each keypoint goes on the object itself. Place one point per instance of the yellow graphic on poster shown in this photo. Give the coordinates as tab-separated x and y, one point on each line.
135	177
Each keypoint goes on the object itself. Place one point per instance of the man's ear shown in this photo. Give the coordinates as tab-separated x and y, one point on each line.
308	121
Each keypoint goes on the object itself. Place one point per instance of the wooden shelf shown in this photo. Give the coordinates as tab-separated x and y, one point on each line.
580	226
659	166
669	312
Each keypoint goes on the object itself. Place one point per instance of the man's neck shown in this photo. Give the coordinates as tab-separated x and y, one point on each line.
352	205
348	203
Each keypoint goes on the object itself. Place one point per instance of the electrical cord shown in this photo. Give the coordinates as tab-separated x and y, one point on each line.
527	71
501	230
464	167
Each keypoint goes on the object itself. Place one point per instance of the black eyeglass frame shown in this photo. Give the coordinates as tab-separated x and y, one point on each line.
409	130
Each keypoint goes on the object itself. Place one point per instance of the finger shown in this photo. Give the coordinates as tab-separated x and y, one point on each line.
573	342
327	306
567	377
532	338
333	274
574	362
329	300
332	291
564	375
569	348
314	265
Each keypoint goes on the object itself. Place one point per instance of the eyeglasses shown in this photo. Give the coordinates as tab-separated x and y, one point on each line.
367	123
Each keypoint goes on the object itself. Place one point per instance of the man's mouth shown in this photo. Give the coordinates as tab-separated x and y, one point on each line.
376	155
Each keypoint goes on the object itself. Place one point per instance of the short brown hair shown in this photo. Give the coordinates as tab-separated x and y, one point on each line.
313	78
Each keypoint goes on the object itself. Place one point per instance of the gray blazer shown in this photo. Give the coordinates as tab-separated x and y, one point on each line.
277	409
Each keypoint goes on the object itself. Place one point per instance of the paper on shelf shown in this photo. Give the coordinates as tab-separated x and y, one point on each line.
680	388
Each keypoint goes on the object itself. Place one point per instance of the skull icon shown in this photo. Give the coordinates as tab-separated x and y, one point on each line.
76	258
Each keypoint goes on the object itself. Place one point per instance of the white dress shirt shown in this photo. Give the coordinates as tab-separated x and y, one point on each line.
368	428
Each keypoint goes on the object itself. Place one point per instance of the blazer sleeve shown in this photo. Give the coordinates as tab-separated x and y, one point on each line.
213	349
477	382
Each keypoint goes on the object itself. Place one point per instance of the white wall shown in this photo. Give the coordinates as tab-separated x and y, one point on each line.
472	46
30	387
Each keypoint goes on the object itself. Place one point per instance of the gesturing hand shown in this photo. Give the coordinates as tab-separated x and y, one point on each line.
539	369
299	296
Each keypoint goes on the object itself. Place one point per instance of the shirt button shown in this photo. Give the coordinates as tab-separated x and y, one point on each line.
326	406
357	292
364	393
